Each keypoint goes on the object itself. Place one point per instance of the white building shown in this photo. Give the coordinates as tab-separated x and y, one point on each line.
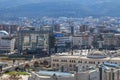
83	39
6	42
88	75
52	75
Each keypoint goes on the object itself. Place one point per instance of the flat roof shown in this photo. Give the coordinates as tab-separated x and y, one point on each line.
111	64
83	57
57	73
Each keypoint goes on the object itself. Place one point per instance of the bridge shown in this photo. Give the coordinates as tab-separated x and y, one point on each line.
22	65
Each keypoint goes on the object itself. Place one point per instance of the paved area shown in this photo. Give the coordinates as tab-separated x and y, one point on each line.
6	77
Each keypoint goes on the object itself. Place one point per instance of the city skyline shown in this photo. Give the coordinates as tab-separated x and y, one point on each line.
59	40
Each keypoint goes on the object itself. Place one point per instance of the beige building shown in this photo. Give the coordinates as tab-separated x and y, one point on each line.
111	39
70	62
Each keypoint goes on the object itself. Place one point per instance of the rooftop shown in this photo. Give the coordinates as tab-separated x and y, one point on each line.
84	55
51	73
96	54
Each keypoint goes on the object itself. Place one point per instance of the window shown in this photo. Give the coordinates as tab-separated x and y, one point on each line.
70	65
79	61
57	65
72	61
53	65
89	62
63	60
55	60
85	62
98	62
74	66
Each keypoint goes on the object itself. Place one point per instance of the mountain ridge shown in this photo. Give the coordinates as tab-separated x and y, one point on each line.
68	8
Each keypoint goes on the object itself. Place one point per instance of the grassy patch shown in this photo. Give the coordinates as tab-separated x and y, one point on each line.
15	72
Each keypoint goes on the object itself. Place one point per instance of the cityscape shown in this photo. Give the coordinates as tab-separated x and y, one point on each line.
37	43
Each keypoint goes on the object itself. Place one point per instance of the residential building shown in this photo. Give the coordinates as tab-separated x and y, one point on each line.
7	43
83	40
11	29
31	39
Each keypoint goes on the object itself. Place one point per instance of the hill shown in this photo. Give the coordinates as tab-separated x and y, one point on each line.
55	8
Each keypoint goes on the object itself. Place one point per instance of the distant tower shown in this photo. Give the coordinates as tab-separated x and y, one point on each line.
27	23
56	28
9	29
72	30
83	28
71	27
72	34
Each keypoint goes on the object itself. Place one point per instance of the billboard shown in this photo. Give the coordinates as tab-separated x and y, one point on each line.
59	35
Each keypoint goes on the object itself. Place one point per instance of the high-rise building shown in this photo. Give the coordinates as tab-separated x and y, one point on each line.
83	28
7	42
11	29
32	40
56	28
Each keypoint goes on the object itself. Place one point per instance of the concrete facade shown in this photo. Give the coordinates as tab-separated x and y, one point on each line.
69	62
31	39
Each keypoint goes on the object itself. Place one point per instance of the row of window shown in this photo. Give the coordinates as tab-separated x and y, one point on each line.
73	61
84	62
63	60
72	65
57	65
55	60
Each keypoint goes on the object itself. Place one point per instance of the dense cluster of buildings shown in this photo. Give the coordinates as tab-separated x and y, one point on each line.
64	34
93	65
84	59
86	50
85	65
